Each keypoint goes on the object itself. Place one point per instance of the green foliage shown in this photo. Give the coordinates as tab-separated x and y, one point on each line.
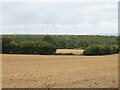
10	46
115	48
101	50
15	47
67	41
47	44
27	47
48	39
44	48
6	45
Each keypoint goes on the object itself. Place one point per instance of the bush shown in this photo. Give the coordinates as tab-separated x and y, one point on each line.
115	48
6	44
27	48
10	46
15	48
101	50
44	48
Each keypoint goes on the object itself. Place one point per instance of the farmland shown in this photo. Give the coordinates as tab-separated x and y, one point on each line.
51	61
43	71
73	51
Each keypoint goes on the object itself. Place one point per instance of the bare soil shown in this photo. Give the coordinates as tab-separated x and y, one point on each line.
49	71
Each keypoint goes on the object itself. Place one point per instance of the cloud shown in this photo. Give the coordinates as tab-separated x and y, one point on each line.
59	0
65	18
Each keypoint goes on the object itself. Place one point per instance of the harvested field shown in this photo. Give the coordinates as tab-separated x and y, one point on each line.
43	71
74	51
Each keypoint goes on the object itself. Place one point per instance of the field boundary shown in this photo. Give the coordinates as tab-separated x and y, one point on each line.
60	89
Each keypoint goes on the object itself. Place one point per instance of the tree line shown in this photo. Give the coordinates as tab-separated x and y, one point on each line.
10	46
101	50
47	44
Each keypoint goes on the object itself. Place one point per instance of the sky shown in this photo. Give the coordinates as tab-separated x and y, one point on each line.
65	17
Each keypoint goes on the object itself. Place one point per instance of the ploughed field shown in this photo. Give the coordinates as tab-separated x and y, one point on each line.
50	71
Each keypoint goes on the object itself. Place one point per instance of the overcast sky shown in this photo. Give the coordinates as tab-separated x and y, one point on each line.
59	17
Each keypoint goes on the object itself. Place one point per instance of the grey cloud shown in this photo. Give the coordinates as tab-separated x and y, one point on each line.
75	18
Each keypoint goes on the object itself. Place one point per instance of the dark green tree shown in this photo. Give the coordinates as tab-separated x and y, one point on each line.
6	45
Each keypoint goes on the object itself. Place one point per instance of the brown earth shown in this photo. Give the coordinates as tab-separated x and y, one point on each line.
38	71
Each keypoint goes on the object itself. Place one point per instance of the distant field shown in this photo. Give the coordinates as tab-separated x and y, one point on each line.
74	51
43	71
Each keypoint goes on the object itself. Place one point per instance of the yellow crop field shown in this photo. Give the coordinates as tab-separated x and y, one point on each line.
74	51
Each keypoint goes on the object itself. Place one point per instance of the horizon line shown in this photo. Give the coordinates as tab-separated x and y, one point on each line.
57	34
